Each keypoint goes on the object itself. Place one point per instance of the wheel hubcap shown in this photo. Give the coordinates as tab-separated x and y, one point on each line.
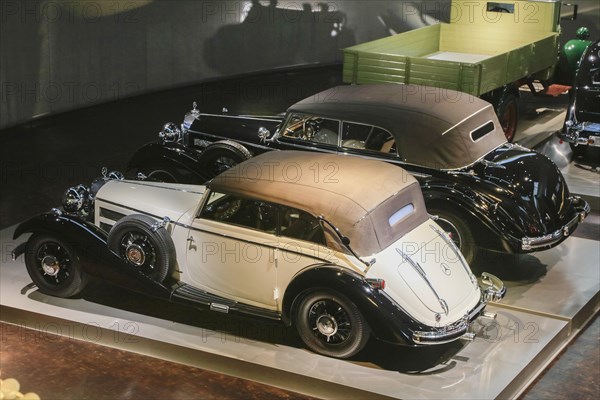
326	325
135	254
50	265
54	263
330	322
138	250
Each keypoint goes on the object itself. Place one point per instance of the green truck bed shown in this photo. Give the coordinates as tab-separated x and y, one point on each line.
473	56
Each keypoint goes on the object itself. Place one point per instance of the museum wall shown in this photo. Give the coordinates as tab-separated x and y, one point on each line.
57	55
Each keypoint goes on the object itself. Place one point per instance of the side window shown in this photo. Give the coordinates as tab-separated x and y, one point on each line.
368	138
297	224
229	209
312	129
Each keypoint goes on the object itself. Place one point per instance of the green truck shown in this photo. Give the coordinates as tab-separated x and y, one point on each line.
488	49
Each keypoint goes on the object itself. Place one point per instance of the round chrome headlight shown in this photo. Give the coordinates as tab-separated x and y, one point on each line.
170	132
74	198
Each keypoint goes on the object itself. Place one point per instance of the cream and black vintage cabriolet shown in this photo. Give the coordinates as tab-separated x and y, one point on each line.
487	193
340	255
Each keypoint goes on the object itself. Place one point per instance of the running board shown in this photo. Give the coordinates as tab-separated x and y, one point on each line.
188	294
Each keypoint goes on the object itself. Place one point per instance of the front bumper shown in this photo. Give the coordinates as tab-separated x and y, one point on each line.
583	134
533	243
493	290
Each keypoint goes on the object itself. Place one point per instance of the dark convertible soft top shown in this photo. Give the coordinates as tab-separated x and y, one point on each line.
357	195
434	127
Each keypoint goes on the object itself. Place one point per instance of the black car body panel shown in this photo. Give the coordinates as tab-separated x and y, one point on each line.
514	199
90	244
386	319
582	124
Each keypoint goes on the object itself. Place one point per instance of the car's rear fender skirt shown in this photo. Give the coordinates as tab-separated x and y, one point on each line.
89	242
387	321
175	157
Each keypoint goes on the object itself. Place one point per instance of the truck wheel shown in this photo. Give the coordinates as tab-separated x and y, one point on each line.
508	115
330	324
136	240
460	233
54	266
221	156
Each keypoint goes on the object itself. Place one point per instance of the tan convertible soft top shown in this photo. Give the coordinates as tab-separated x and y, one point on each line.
433	126
357	195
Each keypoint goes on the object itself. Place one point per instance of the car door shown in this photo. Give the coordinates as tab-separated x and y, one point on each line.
231	249
301	244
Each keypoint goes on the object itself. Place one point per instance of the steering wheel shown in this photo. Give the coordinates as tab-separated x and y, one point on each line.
227	209
310	127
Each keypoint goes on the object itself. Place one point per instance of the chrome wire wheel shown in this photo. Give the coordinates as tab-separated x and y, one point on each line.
222	164
137	240
53	263
138	250
330	322
54	266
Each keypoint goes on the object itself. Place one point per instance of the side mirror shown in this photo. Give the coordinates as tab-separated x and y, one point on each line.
263	134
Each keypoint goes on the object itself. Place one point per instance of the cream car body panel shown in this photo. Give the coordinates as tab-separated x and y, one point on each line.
271	247
428	276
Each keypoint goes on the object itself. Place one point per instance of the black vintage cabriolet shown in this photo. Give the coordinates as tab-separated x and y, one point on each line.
486	193
582	123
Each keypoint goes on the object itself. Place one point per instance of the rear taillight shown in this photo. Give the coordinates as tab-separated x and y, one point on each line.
376	283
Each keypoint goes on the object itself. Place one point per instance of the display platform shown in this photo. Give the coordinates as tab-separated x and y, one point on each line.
549	294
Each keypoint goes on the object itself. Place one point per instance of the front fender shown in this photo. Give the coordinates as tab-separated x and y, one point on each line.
90	244
388	322
177	158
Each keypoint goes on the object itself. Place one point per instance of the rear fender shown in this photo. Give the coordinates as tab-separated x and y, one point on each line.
388	322
486	217
90	244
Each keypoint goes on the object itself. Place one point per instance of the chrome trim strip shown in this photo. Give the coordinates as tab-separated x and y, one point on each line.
466	118
448	333
216	233
237	140
140	183
423	275
456	250
532	243
273	119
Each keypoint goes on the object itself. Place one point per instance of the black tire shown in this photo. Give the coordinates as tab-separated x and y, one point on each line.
160	173
330	324
221	156
54	266
508	115
135	241
456	227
